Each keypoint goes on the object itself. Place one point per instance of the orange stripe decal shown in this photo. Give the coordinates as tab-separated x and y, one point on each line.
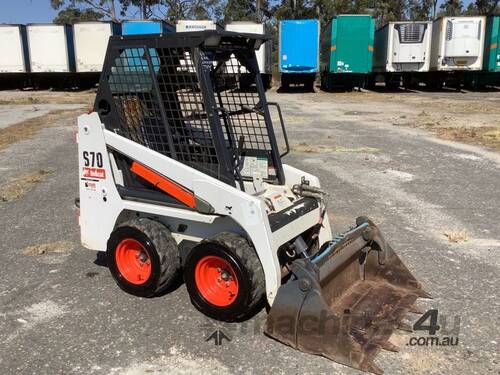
333	48
493	46
370	48
164	184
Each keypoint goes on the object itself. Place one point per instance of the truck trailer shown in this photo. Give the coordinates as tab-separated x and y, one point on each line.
196	25
403	51
14	58
490	75
263	54
298	52
91	41
51	48
146	27
347	51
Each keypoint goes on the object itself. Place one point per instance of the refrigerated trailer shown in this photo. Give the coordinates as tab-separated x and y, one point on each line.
263	54
298	52
403	51
458	43
347	51
51	48
91	40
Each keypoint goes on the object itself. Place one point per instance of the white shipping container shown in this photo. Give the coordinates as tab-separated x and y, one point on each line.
91	41
403	47
195	25
50	48
458	43
13	57
263	54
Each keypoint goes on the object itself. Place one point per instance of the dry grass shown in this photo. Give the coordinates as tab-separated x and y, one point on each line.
457	236
18	187
307	148
48	248
47	97
488	136
27	129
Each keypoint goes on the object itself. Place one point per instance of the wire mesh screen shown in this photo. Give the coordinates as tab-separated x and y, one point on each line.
242	112
160	105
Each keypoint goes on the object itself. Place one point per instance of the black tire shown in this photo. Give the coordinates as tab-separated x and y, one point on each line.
161	250
242	258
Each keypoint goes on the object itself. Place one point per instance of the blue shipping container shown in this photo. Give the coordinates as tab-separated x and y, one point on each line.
146	27
299	46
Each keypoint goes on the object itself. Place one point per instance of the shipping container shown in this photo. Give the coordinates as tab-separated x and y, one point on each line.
298	52
458	43
13	49
196	25
146	27
51	48
91	42
403	47
263	54
347	51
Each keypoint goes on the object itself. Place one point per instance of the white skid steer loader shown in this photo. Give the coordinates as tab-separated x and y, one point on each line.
180	172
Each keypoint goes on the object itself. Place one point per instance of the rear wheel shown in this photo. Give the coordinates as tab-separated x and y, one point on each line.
224	278
143	257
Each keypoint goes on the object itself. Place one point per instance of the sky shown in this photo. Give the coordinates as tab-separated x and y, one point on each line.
32	11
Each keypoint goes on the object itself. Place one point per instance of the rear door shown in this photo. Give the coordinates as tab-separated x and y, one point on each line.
463	37
299	46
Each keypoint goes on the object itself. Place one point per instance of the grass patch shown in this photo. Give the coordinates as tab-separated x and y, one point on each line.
307	148
27	129
488	136
49	248
18	187
457	236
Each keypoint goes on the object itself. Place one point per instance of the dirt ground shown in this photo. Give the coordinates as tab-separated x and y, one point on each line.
423	165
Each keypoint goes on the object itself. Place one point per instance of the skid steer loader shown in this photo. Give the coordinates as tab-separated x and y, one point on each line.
180	172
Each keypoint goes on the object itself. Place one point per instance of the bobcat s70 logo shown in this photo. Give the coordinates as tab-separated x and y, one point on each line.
93	165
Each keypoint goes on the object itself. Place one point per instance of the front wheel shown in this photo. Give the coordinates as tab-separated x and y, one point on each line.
224	278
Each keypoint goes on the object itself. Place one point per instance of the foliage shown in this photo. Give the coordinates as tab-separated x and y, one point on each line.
271	11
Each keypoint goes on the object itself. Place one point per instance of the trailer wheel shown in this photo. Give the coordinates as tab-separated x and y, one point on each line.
224	278
143	257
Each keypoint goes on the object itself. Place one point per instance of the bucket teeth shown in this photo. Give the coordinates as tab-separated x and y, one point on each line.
389	346
371	367
405	327
415	310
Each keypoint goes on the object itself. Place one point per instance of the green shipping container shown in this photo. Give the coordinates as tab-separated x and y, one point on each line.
492	45
347	44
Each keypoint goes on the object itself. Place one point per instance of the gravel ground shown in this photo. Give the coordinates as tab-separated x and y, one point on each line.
61	312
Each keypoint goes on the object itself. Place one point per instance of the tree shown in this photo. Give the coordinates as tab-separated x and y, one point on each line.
421	10
452	8
72	15
84	8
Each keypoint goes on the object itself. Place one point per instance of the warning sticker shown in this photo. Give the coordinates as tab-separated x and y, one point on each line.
89	172
253	164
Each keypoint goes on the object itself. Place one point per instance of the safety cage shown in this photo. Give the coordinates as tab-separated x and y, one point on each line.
182	95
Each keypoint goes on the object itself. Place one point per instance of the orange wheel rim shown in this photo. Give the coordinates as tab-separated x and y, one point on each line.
216	280
133	261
